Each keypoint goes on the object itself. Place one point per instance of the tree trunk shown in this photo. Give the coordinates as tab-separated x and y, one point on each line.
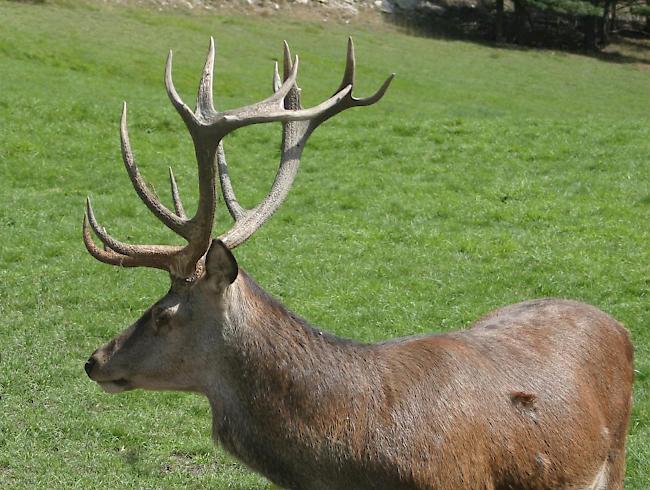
520	21
589	24
604	27
499	22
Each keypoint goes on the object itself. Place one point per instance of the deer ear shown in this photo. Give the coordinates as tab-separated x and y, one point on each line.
220	264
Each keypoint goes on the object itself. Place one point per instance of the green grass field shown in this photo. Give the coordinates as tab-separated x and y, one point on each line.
486	176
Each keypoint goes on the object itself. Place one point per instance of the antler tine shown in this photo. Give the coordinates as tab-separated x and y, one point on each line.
348	81
178	204
134	251
182	108
196	231
235	209
108	241
292	99
110	257
349	75
173	222
204	102
376	97
350	67
287	65
276	78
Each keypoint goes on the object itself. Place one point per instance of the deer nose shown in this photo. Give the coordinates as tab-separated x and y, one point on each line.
90	363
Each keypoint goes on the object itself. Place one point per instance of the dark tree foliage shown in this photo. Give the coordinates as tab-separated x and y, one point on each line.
568	24
584	24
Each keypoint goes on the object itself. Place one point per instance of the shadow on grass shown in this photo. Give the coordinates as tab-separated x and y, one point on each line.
131	456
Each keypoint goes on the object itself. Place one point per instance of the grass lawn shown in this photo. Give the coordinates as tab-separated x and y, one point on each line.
485	177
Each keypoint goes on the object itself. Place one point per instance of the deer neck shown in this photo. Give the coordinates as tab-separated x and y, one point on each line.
278	373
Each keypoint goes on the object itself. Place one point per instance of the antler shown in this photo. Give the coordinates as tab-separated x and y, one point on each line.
207	127
294	137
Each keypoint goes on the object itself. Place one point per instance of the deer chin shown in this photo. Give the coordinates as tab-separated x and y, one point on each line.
115	386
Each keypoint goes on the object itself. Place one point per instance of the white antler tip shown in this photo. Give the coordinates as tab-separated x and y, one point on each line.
286	59
211	49
123	123
276	78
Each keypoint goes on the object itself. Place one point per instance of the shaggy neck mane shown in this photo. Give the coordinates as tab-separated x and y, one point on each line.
282	369
256	321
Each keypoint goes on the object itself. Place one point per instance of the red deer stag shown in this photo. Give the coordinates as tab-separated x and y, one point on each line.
535	395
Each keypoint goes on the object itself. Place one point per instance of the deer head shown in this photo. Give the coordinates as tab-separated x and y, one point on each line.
170	345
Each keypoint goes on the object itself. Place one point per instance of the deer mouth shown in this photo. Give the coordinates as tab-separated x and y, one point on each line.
115	386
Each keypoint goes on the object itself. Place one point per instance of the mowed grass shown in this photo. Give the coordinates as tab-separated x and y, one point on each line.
485	177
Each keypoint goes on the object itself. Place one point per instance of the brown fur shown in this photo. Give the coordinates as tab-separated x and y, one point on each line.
533	396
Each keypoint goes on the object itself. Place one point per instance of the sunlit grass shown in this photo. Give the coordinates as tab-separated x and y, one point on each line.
485	177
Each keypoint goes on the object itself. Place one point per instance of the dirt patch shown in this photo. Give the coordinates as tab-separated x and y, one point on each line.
188	463
629	49
6	475
342	11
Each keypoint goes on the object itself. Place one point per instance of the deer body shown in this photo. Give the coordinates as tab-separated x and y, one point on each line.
535	395
489	407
